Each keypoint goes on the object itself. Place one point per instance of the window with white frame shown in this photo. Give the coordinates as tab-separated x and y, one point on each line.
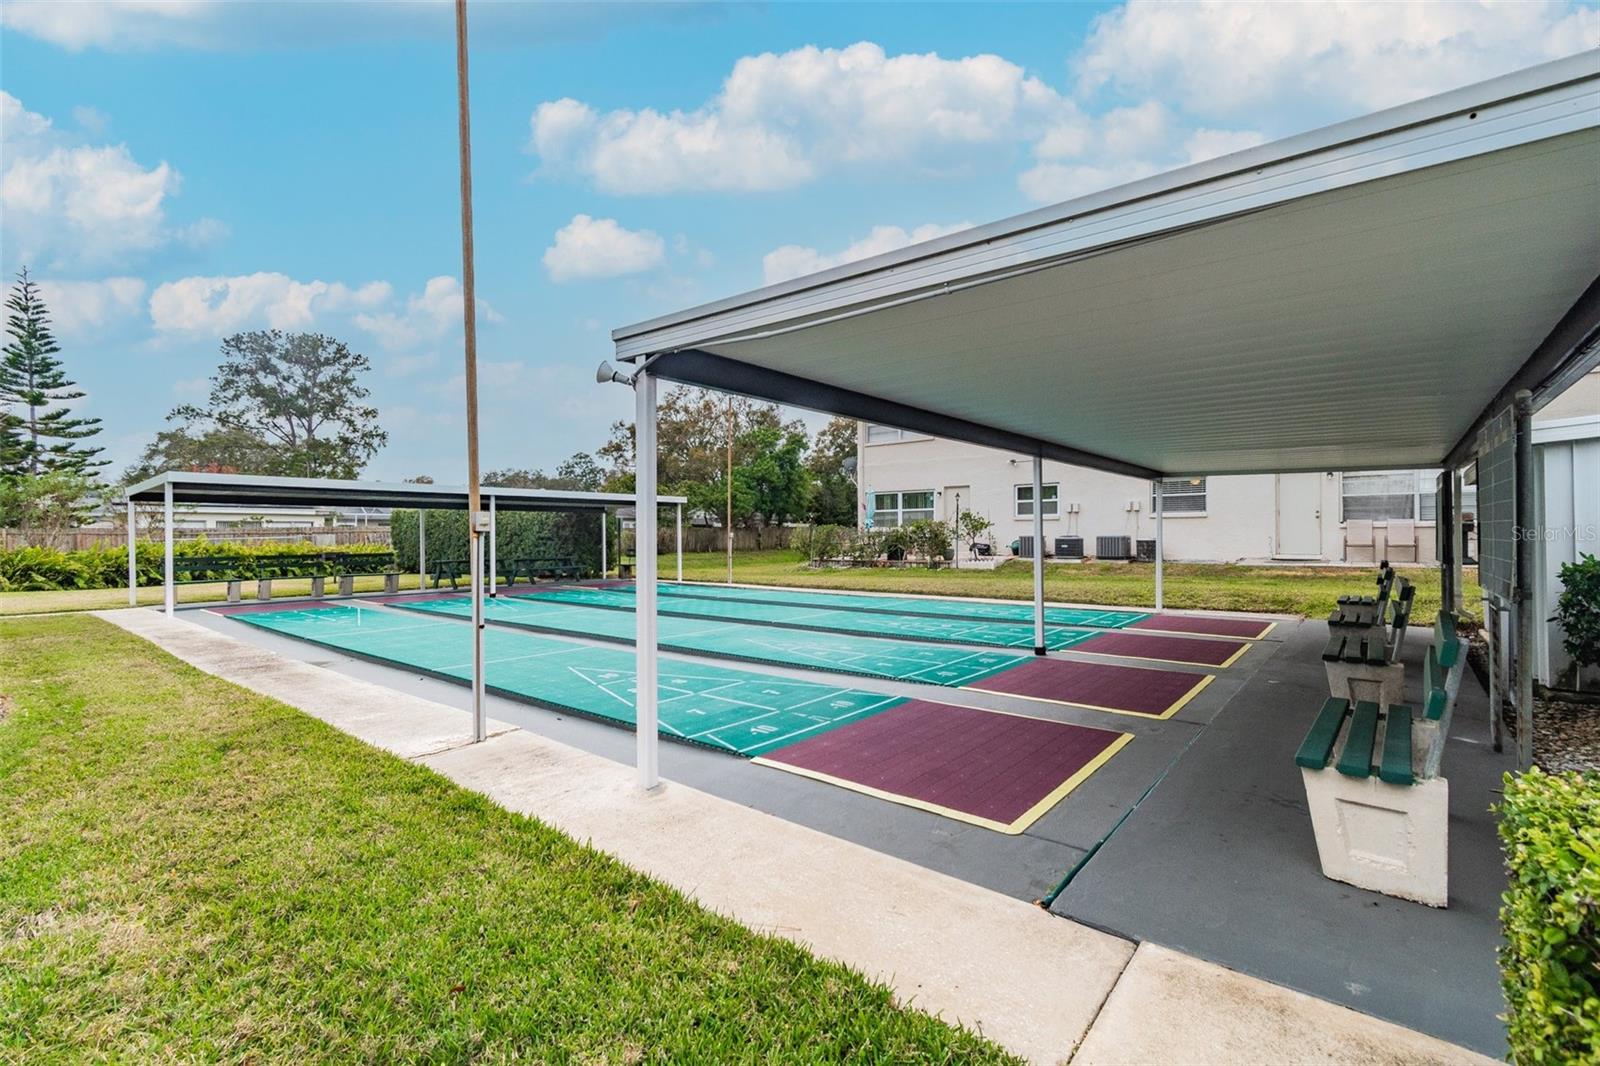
1180	495
890	509
886	434
1389	494
1049	492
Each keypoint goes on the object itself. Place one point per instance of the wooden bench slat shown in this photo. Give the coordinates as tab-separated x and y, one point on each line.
1356	758
1318	744
1395	765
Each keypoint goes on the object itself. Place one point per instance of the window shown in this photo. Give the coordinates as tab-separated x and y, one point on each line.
1180	495
1024	500
900	508
1392	494
887	434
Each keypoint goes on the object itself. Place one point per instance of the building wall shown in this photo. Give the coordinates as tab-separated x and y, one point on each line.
1567	494
1240	521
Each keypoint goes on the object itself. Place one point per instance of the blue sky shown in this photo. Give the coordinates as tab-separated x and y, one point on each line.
177	173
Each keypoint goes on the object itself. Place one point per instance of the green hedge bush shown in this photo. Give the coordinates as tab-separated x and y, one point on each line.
518	534
47	569
1550	962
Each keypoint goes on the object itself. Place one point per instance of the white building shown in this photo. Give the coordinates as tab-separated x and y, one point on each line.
1328	516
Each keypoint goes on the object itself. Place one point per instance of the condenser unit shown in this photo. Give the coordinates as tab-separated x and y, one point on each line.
1069	547
1112	547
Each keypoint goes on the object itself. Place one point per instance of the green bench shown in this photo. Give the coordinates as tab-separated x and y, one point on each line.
210	569
1385	579
267	568
1441	685
1359	611
450	570
1362	662
1379	810
345	567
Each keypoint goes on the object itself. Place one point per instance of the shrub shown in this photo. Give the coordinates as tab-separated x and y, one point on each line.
1578	610
47	569
520	534
1550	962
929	539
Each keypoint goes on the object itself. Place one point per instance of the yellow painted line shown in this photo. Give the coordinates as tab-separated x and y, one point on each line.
1183	701
1012	828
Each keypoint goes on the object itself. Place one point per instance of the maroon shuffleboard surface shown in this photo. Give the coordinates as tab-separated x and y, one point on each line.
1099	686
1001	771
1197	650
1249	628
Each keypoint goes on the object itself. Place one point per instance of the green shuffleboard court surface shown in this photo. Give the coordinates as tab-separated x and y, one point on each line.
728	709
1094	617
825	619
895	660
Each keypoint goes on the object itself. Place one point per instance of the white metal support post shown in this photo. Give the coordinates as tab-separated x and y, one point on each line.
494	551
679	515
422	549
168	594
475	552
133	556
1160	554
1038	555
644	386
605	521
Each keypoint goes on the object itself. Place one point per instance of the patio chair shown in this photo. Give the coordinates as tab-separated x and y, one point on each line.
1358	546
1402	534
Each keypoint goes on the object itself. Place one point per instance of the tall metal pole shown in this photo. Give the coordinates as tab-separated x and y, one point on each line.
469	319
494	548
422	549
605	525
1523	541
133	556
678	508
644	385
1160	553
168	594
729	480
1038	555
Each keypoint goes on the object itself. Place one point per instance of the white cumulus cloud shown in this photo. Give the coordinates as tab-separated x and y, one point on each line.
794	260
781	119
588	248
425	317
68	204
1225	59
81	308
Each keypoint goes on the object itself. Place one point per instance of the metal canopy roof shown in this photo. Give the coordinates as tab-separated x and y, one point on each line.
1352	298
190	487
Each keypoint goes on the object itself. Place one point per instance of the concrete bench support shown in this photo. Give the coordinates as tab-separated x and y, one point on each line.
1387	838
264	589
234	590
1366	682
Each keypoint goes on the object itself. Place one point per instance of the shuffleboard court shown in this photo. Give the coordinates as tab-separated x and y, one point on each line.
1248	628
1134	690
894	660
999	771
1191	651
732	710
1092	617
943	630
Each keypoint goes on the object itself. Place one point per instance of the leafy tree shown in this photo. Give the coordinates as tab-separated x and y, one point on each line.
53	501
578	473
39	434
831	466
221	450
1578	611
302	393
774	475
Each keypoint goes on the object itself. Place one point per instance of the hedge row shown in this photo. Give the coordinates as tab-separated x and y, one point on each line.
1550	963
41	569
518	534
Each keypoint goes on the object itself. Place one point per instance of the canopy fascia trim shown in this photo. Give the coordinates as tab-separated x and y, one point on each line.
694	367
195	487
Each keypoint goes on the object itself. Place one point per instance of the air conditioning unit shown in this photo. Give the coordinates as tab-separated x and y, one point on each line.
1023	547
1069	547
1112	547
1145	551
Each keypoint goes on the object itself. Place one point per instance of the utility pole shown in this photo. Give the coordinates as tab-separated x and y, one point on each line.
475	518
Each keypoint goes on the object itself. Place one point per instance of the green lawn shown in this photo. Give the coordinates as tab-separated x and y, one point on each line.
1306	590
189	871
15	603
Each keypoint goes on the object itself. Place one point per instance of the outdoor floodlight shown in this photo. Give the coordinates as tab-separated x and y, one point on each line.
605	373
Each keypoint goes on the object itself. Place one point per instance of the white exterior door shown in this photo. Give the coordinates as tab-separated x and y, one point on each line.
1299	532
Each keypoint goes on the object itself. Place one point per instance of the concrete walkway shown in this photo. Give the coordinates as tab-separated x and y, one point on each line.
1042	986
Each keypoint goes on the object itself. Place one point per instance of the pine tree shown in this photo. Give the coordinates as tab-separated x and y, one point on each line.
38	434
